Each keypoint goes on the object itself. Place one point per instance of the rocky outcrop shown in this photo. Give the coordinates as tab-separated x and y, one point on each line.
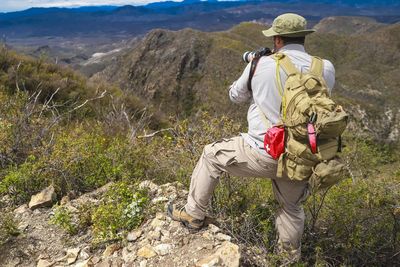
164	67
160	241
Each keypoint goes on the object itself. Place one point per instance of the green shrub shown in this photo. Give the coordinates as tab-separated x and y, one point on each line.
121	210
80	160
21	181
356	225
63	218
8	227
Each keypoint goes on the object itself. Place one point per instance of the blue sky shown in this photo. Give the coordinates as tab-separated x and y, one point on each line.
13	5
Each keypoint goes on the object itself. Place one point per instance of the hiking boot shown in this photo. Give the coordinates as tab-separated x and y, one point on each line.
179	214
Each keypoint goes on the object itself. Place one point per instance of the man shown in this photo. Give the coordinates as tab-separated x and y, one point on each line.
244	155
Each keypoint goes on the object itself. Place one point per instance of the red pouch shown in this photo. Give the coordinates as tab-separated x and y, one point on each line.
274	141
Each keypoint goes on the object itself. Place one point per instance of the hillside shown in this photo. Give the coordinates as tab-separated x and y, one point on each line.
348	25
185	70
189	70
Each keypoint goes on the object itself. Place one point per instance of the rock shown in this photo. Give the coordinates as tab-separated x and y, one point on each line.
22	209
72	255
213	228
229	254
128	256
134	235
22	226
44	263
223	237
95	260
157	223
160	216
45	198
211	261
163	249
165	236
110	250
143	242
146	252
143	263
159	200
85	253
155	234
149	185
174	226
207	235
85	263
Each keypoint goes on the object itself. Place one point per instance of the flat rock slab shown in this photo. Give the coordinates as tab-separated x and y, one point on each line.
45	198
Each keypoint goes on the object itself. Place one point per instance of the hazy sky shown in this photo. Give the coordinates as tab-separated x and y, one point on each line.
13	5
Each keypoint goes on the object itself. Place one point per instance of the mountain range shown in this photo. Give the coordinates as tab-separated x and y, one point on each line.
202	15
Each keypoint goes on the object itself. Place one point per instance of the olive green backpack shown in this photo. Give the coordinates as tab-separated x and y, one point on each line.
306	99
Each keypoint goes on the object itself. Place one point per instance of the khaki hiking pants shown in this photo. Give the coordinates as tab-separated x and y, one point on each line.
237	158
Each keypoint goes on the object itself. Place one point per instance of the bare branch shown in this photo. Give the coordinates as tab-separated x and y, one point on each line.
87	101
156	132
16	77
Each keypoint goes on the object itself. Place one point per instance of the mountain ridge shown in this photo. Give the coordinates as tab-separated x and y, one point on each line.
206	16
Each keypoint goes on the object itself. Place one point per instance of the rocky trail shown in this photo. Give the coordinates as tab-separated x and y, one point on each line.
159	241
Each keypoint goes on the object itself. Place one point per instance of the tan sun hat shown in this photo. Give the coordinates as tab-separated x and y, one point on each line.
289	25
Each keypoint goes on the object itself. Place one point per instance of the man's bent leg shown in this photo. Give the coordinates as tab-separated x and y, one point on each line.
290	217
232	155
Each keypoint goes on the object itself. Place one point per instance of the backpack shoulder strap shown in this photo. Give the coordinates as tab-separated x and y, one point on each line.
286	64
317	66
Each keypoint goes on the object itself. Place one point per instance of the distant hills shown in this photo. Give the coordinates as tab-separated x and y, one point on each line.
202	15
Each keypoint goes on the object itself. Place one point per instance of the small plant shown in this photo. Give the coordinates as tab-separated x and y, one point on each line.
63	218
8	227
122	210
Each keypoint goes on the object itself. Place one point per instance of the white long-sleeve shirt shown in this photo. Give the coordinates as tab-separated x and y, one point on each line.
265	92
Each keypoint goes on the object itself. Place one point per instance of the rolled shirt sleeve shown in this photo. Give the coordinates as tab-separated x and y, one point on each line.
238	92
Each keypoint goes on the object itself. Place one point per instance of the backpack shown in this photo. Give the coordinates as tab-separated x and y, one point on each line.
313	125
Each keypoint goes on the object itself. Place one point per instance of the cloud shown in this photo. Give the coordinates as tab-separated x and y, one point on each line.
12	5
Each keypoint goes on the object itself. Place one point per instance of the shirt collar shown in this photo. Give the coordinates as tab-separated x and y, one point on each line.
297	47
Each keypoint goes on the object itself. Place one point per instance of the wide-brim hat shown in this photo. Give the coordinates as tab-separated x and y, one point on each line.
288	25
